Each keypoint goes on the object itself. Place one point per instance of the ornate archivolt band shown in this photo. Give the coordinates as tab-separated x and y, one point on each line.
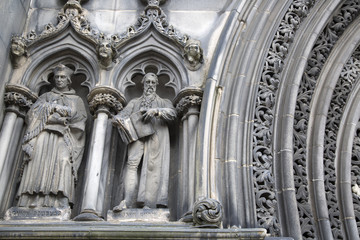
188	97
264	115
18	99
73	15
105	99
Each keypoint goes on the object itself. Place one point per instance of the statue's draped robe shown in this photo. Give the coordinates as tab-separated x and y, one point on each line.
53	152
155	152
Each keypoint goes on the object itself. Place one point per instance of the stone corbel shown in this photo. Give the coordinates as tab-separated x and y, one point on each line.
18	51
207	213
106	52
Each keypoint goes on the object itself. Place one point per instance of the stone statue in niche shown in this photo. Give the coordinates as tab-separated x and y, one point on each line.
149	142
53	145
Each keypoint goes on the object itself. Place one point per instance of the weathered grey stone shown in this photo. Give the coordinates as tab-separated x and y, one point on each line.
152	147
139	215
53	145
39	213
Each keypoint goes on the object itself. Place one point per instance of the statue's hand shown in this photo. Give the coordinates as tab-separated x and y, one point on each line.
63	111
57	119
117	120
150	114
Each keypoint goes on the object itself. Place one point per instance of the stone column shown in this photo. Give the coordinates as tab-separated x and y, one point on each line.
103	103
188	104
18	100
196	207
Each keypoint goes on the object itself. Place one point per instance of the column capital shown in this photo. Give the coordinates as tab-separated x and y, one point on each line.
105	99
187	98
18	99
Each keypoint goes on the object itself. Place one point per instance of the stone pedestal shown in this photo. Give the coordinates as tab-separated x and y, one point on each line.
139	215
105	230
44	213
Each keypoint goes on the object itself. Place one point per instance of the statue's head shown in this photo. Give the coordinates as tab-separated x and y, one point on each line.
193	52
62	76
150	80
105	52
18	46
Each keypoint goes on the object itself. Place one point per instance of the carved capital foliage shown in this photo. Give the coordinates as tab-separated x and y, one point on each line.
188	98
207	212
18	99
105	99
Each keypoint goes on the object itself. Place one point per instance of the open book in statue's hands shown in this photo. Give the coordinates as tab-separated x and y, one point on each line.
133	127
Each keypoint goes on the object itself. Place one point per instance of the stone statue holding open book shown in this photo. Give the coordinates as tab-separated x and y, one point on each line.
143	125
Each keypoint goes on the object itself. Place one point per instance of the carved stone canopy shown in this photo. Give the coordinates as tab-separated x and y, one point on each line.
73	15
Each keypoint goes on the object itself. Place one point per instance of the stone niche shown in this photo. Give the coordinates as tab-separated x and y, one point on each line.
125	117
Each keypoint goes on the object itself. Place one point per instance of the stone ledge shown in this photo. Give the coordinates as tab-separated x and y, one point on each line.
139	215
99	230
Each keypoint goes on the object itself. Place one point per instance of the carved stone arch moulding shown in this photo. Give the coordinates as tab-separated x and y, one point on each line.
153	19
70	20
264	180
37	75
291	119
172	74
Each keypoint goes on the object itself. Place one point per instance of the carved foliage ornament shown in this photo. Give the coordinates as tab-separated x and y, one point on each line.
264	181
320	52
186	102
207	212
105	99
18	99
106	102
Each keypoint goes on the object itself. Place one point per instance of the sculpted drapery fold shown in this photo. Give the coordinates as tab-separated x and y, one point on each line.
53	145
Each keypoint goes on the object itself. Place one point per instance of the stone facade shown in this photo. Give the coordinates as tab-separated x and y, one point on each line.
264	139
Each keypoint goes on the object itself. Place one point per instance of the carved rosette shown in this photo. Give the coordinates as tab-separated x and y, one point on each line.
18	99
207	212
105	99
187	98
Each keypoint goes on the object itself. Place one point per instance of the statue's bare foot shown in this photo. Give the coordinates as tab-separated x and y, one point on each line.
146	207
120	207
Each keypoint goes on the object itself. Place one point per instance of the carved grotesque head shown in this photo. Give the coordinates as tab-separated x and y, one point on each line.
105	52
73	8
62	76
193	52
18	46
150	80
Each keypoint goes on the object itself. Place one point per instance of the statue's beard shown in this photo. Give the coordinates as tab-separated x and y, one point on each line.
149	91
